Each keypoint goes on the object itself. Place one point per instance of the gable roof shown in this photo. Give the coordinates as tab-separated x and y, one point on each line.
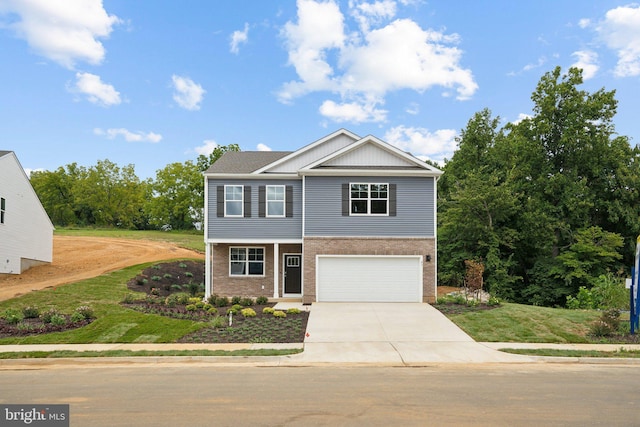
4	153
244	161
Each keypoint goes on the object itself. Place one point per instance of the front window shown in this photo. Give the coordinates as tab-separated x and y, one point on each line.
246	262
275	200
233	200
369	199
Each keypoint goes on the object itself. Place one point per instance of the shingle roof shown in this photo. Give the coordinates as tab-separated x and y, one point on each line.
4	153
245	161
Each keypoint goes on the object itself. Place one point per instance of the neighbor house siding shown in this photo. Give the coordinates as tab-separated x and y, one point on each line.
252	225
414	216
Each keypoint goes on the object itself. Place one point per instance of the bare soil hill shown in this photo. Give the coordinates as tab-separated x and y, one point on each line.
78	258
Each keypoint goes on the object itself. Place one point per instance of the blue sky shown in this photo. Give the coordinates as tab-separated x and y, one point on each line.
151	82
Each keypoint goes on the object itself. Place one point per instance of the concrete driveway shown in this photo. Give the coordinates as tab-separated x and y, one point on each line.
390	333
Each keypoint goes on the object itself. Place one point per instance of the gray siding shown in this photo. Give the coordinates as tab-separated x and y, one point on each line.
415	208
254	227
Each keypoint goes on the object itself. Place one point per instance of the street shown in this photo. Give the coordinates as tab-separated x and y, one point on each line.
212	395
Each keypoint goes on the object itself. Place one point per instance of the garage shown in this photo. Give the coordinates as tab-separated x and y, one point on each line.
373	278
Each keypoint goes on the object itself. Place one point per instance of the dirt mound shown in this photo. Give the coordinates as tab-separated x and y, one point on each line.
78	258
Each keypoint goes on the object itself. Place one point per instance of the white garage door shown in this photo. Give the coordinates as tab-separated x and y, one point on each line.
369	278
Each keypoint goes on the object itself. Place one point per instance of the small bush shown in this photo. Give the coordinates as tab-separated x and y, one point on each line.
262	300
246	302
12	317
218	322
248	312
182	265
212	310
293	310
280	314
141	281
154	291
156	278
30	312
58	320
176	288
268	310
221	302
194	288
156	267
191	307
188	274
127	299
200	304
607	324
194	300
167	276
47	315
212	299
85	311
494	301
77	317
235	300
207	306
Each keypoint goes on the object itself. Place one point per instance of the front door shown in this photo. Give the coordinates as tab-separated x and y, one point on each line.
293	274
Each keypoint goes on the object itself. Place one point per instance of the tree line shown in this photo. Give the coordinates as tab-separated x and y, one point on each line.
108	195
549	204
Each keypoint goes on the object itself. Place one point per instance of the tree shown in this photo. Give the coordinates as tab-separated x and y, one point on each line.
55	190
204	162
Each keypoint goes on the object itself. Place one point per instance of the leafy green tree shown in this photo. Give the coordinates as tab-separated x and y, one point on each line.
55	190
204	162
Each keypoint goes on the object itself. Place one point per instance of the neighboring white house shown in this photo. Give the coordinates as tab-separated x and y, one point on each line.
26	232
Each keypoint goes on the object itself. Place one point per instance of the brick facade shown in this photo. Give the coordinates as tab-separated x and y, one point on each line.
369	246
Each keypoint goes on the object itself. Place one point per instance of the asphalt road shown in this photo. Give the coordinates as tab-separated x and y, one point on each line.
210	395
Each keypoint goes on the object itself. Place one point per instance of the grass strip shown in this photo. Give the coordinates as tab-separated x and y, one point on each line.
572	353
145	353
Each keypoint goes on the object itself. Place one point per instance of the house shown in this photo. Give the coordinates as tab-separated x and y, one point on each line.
343	219
26	232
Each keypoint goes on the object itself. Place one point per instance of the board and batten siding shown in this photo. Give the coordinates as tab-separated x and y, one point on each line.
253	226
415	210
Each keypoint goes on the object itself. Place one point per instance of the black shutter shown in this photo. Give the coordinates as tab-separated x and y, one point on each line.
220	201
288	201
345	199
247	201
392	200
262	201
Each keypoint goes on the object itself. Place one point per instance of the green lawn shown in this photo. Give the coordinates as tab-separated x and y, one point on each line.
526	323
186	239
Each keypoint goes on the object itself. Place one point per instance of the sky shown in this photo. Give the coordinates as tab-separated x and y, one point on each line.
152	82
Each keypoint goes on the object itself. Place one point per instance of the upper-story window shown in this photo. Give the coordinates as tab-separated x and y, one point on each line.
2	209
369	199
275	200
233	200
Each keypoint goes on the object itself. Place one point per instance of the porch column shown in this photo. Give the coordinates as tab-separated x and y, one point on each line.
207	271
276	269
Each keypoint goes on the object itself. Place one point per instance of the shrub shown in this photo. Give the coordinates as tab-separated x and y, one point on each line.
200	304
156	267
156	278
182	265
262	300
154	291
194	288
235	309
176	288
141	281
77	317
248	312
218	322
191	307
293	310
207	306
221	302
194	300
127	299
85	311
188	274
582	300
47	315
30	312
268	310
494	301
58	320
181	298
279	313
212	310
246	302
167	276
607	324
236	300
12	317
212	299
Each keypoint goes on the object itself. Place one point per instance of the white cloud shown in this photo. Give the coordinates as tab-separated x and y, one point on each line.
96	91
363	66
584	23
521	117
413	108
620	30
263	147
187	93
422	143
128	135
207	147
28	171
238	38
65	31
588	61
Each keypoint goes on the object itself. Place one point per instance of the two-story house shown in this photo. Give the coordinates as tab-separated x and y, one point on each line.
343	219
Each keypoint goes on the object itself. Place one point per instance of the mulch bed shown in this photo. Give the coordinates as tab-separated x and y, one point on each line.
170	277
35	327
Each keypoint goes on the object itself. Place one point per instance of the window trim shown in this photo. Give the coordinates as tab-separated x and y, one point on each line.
241	215
247	260
283	201
369	199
